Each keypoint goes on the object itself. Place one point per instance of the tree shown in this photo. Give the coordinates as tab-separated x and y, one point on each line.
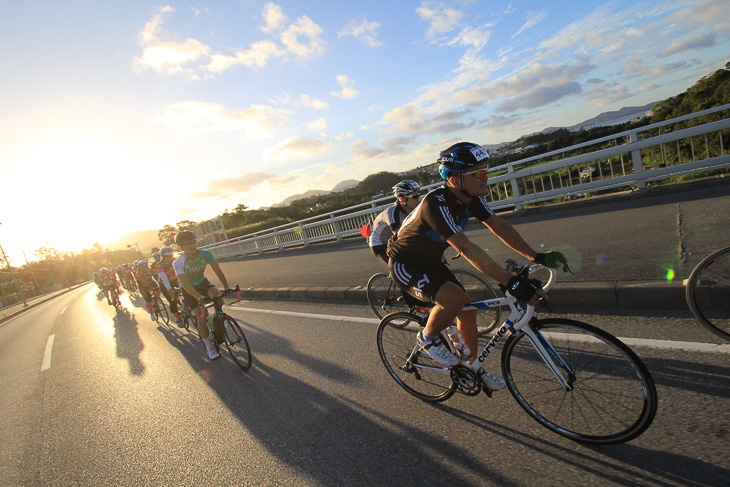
167	235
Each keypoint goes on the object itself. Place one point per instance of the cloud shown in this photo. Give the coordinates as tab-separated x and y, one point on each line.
256	56
224	187
297	147
363	151
166	57
318	125
310	31
439	21
302	101
648	87
347	89
541	96
363	31
688	43
274	18
199	117
533	18
602	94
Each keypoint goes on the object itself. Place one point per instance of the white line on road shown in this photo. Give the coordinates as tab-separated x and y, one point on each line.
638	342
47	356
63	310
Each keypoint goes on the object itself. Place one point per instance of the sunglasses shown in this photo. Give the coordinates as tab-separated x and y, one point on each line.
479	173
413	196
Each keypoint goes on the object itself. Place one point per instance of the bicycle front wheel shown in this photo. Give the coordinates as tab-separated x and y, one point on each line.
613	397
412	369
383	295
161	311
236	343
708	292
480	290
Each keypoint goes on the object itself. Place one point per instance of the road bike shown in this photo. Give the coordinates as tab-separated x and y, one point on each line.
115	299
571	377
708	292
189	321
385	297
225	330
158	307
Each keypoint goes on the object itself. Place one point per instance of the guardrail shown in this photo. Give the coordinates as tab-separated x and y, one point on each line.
619	160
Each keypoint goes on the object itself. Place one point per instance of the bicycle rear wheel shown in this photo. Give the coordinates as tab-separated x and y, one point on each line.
236	343
397	348
708	292
480	290
613	397
383	295
161	311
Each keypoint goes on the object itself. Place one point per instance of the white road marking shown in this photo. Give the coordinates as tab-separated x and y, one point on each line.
47	356
638	342
63	310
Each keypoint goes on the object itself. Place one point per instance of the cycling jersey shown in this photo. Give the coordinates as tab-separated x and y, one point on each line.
144	280
421	240
193	268
165	274
385	225
107	280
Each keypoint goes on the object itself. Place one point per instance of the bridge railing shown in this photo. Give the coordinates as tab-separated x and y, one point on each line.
631	158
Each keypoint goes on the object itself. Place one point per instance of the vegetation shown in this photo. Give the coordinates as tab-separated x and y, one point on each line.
712	90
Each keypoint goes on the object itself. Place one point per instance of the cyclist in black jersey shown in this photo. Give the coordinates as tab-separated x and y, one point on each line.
416	252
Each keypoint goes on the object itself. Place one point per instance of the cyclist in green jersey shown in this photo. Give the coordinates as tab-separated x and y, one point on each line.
190	271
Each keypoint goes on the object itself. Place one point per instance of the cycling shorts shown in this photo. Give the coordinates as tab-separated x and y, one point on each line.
422	284
381	252
202	288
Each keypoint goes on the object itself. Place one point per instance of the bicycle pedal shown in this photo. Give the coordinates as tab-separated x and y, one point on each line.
488	392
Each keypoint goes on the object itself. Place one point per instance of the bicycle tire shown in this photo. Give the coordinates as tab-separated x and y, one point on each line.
383	294
613	400
395	344
480	290
161	311
708	292
236	343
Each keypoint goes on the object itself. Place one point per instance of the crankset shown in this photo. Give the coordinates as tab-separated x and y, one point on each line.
466	380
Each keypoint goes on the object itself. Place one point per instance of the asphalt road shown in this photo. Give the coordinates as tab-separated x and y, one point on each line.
123	401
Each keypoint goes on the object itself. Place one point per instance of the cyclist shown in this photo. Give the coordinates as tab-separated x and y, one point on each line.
167	280
146	285
416	253
108	283
96	276
190	270
389	220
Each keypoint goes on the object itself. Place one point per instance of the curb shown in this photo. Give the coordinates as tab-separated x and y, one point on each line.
38	301
603	296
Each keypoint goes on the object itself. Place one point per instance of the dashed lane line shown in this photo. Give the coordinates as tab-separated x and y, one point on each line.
46	364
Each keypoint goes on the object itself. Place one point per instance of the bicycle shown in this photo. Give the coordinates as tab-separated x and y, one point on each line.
224	329
385	297
708	292
583	383
187	316
158	307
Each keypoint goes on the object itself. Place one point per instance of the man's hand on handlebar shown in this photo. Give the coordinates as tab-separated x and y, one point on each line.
553	259
525	289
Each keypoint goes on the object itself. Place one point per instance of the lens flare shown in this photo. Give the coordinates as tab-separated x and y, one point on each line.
670	274
602	259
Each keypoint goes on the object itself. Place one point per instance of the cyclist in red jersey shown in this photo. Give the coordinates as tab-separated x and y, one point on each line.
146	285
108	283
167	280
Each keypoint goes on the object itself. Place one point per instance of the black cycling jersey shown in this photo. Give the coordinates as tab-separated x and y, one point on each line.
385	225
421	240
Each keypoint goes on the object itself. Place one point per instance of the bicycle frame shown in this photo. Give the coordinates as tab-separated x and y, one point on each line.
517	321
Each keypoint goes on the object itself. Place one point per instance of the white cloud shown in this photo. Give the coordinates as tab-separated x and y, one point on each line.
363	31
363	151
297	147
305	28
257	56
274	18
533	18
697	41
347	89
318	125
439	21
199	117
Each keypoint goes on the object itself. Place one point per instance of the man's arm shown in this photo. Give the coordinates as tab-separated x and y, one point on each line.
510	236
219	272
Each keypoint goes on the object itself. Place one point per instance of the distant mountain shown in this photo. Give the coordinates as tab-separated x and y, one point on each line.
350	183
609	118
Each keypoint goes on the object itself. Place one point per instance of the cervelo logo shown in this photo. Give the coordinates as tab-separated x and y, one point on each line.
479	153
493	343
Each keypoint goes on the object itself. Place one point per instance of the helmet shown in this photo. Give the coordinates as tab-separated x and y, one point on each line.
460	157
104	270
156	256
184	237
142	263
166	250
405	188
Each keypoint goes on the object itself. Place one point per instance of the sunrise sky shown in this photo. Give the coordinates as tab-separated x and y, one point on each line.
125	116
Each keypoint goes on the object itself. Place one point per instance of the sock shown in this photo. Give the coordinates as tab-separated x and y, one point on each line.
426	337
208	343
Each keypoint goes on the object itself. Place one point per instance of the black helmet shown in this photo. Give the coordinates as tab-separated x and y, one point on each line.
185	236
460	157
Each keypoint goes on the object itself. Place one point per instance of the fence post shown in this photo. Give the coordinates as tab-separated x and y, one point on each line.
335	227
636	159
515	186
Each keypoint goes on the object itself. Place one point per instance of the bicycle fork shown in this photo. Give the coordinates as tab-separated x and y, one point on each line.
552	359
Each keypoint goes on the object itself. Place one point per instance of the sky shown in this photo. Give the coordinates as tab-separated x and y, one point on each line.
126	116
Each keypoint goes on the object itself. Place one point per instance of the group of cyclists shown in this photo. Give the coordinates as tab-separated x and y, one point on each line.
168	276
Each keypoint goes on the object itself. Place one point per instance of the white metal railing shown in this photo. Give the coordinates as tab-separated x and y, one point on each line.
630	159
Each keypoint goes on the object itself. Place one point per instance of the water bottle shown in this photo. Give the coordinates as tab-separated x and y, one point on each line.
459	343
210	323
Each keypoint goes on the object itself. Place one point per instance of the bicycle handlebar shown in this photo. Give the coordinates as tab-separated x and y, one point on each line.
208	302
